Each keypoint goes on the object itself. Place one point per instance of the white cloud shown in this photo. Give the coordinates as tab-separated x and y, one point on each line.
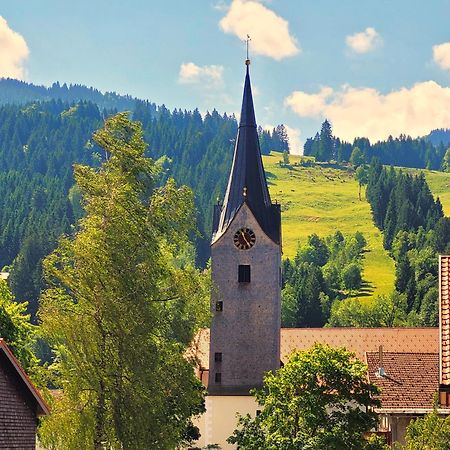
309	105
365	41
13	52
269	33
365	112
441	55
295	146
207	76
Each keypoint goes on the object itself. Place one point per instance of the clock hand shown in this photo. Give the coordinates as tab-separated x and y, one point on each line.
245	239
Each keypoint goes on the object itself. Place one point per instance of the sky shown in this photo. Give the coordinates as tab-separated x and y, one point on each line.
373	68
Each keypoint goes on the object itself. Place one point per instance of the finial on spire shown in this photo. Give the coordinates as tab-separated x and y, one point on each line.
247	61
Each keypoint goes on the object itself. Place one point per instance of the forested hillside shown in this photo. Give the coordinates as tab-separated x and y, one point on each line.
40	142
403	151
19	92
415	231
38	145
439	136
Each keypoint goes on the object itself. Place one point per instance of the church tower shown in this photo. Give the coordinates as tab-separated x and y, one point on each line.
246	273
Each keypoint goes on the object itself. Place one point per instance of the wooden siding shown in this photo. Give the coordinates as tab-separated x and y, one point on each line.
17	410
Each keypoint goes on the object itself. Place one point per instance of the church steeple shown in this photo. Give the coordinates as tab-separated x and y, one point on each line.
247	182
245	270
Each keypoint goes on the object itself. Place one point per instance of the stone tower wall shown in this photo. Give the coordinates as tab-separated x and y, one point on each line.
247	331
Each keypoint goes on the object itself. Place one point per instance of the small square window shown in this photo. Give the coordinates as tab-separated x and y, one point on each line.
218	377
244	273
218	357
219	306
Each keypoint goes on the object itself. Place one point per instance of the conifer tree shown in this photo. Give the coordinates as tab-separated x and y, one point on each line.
326	146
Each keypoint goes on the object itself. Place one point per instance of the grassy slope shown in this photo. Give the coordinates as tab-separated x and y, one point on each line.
323	200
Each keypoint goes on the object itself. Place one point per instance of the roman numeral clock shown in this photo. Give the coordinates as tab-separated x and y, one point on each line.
244	238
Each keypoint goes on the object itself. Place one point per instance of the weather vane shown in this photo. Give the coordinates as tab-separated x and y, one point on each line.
247	61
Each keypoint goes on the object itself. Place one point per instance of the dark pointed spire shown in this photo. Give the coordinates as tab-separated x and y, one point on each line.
247	111
247	182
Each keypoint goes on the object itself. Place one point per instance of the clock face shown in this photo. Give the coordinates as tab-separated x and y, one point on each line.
244	238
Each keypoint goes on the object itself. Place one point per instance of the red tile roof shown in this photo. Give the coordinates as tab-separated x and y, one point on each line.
410	358
358	340
42	407
410	382
444	318
362	340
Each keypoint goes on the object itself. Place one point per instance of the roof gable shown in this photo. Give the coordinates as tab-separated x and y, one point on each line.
41	406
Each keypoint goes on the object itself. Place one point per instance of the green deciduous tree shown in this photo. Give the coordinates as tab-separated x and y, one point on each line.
15	328
357	157
122	305
430	432
362	177
319	400
385	311
351	277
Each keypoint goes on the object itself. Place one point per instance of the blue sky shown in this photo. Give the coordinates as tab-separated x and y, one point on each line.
373	68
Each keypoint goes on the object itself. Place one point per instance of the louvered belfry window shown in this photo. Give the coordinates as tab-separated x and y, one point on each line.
244	273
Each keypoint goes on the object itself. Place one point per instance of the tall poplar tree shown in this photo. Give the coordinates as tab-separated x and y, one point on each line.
122	304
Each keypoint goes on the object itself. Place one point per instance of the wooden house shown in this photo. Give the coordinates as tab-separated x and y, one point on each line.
20	404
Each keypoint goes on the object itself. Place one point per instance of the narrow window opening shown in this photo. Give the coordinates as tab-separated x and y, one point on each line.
258	412
218	357
244	273
218	377
219	306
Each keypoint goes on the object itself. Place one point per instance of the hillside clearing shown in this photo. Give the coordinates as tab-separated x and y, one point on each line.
322	200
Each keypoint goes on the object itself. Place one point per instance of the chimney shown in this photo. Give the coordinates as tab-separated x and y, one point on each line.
380	373
444	331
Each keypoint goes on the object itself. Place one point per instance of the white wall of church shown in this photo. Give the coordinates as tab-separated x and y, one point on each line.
219	421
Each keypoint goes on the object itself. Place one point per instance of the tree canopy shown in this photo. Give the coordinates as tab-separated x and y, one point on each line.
403	151
319	400
16	330
429	432
122	304
322	270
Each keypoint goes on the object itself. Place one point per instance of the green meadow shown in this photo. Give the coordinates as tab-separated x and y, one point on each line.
322	199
